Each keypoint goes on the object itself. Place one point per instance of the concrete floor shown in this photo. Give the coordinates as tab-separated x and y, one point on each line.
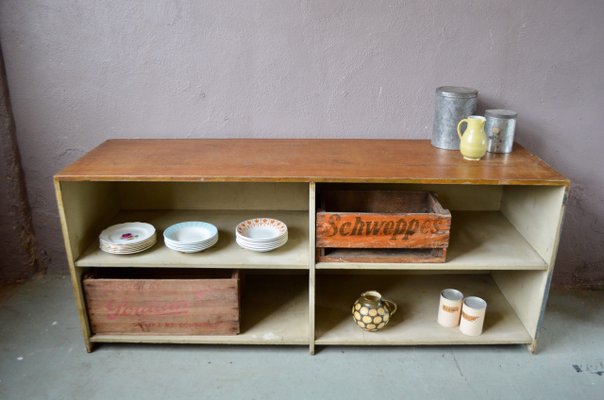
43	357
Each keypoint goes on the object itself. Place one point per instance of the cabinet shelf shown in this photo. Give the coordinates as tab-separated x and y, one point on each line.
274	310
480	240
225	254
415	321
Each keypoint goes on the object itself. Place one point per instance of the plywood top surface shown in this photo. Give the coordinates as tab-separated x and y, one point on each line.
303	160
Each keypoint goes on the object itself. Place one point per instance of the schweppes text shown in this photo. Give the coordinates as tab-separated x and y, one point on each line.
399	229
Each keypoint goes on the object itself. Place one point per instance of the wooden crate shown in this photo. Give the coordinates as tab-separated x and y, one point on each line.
173	302
381	226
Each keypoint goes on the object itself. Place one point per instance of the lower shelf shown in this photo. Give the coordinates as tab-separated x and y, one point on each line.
274	311
414	323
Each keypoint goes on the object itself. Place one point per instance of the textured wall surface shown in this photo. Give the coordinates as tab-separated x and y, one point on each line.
81	72
19	260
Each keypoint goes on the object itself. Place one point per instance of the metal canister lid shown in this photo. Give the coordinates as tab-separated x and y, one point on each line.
457	92
501	114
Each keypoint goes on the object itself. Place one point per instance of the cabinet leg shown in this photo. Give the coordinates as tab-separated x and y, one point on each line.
89	346
532	347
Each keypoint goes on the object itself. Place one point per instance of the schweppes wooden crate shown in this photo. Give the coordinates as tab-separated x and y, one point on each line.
152	302
381	226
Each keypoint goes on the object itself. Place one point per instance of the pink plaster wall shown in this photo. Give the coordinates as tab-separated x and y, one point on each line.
81	72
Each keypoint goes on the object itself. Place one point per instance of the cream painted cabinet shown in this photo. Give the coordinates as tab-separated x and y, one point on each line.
506	217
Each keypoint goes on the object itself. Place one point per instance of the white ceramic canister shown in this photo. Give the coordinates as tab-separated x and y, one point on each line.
449	308
473	312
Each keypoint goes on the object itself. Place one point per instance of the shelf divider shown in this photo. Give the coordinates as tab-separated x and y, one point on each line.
312	282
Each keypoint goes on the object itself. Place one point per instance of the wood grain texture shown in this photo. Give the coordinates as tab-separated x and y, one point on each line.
382	219
412	224
163	306
383	255
377	230
274	311
303	160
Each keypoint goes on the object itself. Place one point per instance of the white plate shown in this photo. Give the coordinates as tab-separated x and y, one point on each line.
153	238
200	243
261	229
133	245
128	233
192	248
262	242
278	242
261	248
190	232
113	249
117	250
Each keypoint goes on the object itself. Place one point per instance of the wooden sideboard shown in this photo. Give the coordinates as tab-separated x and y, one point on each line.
506	211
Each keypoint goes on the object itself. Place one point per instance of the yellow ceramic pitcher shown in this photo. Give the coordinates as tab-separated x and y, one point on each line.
473	142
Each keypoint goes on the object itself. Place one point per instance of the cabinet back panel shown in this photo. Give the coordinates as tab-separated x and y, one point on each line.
452	197
213	196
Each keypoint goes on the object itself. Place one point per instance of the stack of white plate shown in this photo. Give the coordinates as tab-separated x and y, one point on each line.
191	236
261	234
127	238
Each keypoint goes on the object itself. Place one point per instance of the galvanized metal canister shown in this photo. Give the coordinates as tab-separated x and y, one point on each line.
453	103
499	127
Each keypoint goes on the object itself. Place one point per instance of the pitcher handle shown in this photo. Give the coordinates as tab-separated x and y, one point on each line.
391	305
459	125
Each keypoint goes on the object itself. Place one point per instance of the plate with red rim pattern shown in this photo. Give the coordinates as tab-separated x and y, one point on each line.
261	234
261	229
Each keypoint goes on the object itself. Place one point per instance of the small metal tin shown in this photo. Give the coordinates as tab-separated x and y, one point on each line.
499	127
453	103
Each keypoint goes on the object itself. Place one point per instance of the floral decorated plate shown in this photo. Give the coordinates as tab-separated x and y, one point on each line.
129	233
